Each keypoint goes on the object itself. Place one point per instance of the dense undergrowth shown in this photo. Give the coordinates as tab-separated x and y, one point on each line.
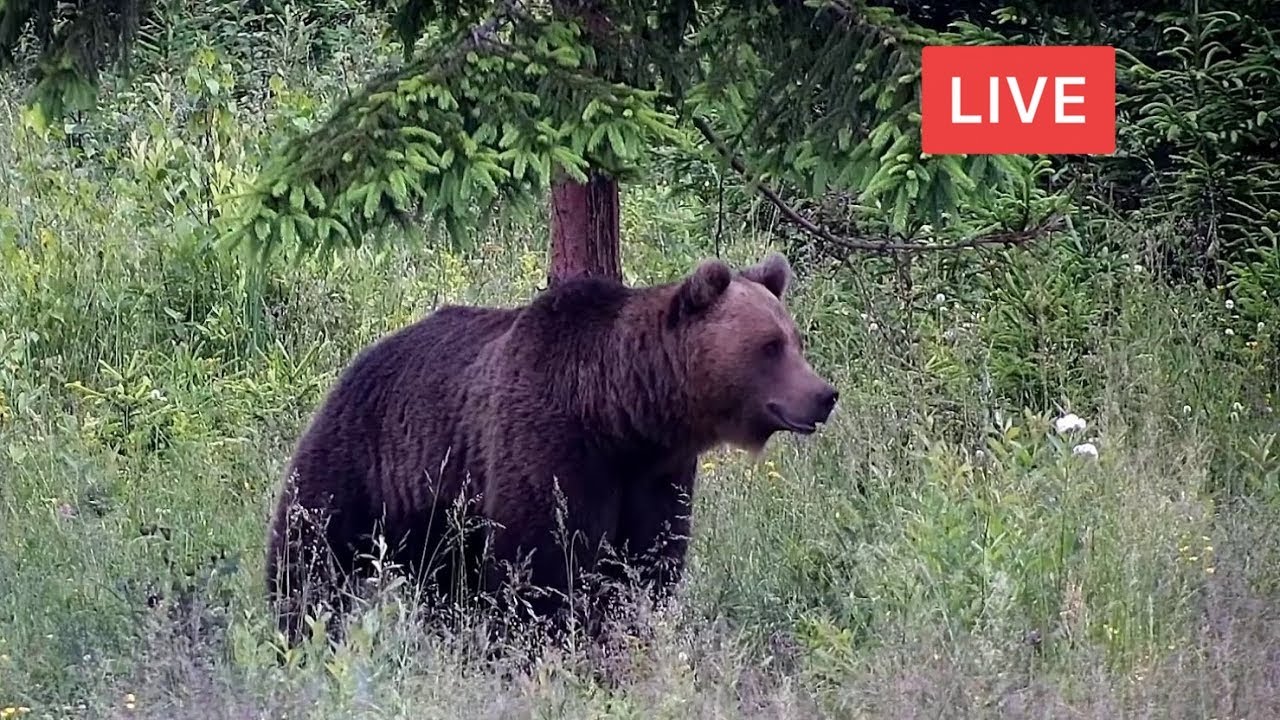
939	549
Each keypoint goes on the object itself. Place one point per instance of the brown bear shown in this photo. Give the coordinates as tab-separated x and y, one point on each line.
570	425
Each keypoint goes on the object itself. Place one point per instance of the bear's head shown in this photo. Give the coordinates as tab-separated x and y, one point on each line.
747	374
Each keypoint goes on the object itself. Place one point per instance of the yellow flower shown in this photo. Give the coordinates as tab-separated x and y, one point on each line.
774	475
708	466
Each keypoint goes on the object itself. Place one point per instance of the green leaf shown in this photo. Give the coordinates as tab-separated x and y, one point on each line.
372	197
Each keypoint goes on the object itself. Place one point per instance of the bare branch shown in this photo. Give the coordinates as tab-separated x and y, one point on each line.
1002	239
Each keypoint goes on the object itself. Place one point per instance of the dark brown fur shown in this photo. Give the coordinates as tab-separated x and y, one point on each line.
606	393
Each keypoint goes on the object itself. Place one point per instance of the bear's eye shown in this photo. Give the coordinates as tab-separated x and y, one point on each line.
772	349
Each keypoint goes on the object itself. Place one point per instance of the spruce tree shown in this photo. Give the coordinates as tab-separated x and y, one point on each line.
501	103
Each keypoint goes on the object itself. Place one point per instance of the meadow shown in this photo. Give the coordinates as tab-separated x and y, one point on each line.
941	549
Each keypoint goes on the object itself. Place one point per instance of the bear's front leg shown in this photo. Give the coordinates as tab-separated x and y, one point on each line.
547	534
655	528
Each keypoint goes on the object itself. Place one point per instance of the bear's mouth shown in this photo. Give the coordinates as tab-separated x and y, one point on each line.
786	422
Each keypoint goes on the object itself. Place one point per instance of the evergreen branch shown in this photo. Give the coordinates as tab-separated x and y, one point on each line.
450	136
1001	239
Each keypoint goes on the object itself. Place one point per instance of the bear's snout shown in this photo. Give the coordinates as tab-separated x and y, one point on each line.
826	402
823	403
805	413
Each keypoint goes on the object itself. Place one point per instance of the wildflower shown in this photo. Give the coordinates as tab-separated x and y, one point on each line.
130	702
1137	268
1088	450
939	298
708	466
774	475
873	327
1069	423
1229	332
1231	305
1186	409
1262	326
1208	570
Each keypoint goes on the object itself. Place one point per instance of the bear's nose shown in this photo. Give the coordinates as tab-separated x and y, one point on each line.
827	399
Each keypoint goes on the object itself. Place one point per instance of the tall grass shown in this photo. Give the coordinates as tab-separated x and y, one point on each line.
938	550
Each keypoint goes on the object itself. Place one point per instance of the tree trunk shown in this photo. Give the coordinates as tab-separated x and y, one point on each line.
585	229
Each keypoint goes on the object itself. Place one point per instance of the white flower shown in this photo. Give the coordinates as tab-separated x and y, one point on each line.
1069	423
940	298
873	327
1261	327
1088	450
1229	332
1231	305
1186	409
1137	268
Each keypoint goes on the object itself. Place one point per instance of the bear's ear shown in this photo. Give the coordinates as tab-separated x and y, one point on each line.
773	272
700	290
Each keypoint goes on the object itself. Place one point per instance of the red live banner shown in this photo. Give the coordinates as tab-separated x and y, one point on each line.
993	100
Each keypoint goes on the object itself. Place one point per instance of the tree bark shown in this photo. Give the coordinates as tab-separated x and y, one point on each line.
585	233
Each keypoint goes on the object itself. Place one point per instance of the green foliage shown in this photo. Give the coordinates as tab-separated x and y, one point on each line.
72	43
1198	85
67	47
425	139
482	119
1254	287
451	135
834	107
1202	124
